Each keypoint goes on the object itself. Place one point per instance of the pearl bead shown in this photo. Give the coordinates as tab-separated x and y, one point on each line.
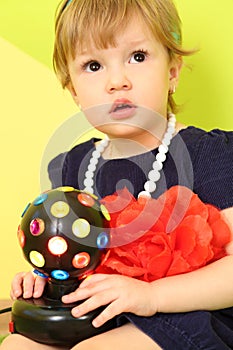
89	174
94	161
167	139
88	182
154	175
160	157
144	194
101	149
163	149
150	186
91	167
89	190
172	118
170	130
96	154
105	141
157	165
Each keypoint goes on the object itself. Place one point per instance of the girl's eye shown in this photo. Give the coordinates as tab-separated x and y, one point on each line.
92	66
138	57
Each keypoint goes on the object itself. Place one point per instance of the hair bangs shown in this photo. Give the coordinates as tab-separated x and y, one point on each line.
97	23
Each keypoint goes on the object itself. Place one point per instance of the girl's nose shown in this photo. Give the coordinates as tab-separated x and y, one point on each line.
118	81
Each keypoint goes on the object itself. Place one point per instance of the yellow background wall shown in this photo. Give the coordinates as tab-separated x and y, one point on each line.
33	105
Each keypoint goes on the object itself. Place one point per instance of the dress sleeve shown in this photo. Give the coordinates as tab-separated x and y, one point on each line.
213	168
57	169
68	169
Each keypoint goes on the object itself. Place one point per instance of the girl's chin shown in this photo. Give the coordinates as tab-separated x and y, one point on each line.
119	130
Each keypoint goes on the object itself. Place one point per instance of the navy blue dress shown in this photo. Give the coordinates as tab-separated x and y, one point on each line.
199	160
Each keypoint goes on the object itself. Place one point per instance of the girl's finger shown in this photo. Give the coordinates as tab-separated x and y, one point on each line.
93	279
109	312
39	286
79	294
28	285
94	302
89	288
16	285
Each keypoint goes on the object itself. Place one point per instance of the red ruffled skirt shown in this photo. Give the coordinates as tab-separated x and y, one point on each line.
154	238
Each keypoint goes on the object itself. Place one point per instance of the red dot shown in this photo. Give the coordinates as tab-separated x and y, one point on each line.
86	199
21	237
81	260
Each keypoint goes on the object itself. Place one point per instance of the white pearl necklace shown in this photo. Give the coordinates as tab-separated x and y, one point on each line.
154	174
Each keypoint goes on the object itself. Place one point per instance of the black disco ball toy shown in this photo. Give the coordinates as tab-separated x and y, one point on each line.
63	234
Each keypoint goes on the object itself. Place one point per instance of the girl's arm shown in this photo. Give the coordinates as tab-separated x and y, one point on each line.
209	288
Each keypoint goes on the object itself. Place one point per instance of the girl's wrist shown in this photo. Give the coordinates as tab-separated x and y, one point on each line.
157	295
167	297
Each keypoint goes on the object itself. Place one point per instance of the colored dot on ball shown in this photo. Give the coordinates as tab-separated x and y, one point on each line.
36	258
93	196
25	210
40	199
57	245
102	240
60	275
21	237
60	209
105	212
65	189
38	273
81	260
37	227
81	228
86	199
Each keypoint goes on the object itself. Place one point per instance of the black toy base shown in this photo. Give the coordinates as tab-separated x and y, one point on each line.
50	322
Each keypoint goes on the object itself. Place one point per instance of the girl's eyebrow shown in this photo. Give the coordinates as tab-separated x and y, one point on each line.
129	44
136	42
139	41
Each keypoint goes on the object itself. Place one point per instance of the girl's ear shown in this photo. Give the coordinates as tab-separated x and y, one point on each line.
175	68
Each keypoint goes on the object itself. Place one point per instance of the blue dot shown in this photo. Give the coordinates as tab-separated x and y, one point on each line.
25	210
38	273
40	199
60	275
102	240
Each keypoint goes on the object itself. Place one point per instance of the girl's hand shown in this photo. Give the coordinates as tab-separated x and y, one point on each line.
27	285
118	293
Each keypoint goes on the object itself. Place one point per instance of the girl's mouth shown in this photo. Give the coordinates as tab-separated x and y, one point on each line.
122	109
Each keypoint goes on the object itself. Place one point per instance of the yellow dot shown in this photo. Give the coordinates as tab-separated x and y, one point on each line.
36	258
60	209
90	194
105	212
65	189
93	195
81	228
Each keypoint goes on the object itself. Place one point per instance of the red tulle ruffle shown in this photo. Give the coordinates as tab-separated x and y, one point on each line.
154	238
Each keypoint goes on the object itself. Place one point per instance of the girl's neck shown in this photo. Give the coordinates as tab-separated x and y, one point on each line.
139	144
125	148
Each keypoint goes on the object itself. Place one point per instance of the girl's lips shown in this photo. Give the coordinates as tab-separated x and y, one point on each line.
122	109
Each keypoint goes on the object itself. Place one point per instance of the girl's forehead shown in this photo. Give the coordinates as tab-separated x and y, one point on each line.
133	31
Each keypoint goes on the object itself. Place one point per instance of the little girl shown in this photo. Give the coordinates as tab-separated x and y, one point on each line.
121	60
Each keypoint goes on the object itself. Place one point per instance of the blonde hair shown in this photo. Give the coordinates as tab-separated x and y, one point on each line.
80	22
